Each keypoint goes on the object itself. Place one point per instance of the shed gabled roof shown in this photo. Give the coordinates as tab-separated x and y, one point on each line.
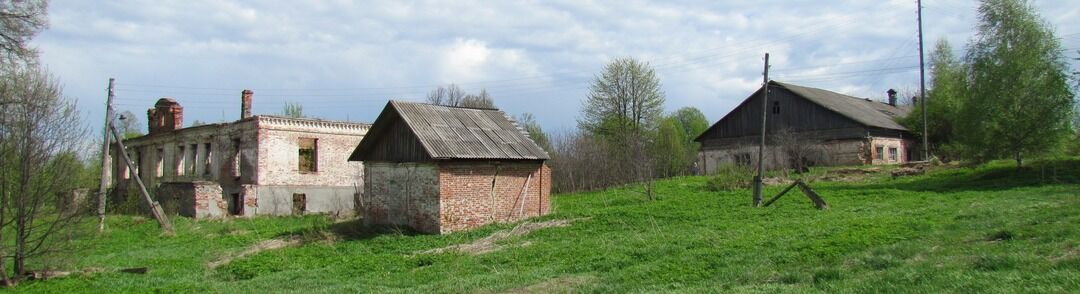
864	111
454	132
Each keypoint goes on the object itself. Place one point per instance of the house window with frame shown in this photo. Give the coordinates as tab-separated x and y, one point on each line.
308	155
893	154
776	107
879	152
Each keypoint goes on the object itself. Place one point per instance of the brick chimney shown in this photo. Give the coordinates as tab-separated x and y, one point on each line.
245	103
167	115
892	97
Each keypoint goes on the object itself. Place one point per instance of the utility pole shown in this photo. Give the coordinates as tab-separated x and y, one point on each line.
102	186
922	87
155	208
761	147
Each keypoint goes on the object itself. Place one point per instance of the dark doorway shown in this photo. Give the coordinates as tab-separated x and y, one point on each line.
236	204
299	203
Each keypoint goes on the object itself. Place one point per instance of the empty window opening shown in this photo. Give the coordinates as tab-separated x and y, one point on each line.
309	156
776	107
206	159
159	163
193	154
180	158
893	153
138	165
236	159
879	152
236	204
299	203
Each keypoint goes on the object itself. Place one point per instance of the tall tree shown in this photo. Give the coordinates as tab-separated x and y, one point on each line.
1019	101
624	100
39	131
129	125
451	95
670	148
947	89
692	121
19	22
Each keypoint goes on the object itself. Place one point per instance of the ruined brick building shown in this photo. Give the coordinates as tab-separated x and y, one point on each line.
441	169
827	128
257	165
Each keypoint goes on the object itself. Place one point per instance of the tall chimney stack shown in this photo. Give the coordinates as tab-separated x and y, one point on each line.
245	103
892	97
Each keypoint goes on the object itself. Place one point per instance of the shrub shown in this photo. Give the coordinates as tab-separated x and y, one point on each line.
730	177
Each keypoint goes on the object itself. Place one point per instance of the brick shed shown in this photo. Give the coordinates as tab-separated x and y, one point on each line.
440	169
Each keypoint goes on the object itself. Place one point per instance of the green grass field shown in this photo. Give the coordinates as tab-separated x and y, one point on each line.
986	229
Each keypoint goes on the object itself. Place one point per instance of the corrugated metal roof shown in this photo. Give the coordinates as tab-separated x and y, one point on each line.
460	133
867	112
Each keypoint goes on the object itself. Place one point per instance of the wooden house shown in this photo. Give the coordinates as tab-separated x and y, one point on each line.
439	169
820	127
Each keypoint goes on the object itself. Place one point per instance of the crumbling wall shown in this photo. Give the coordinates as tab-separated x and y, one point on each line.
474	194
833	152
199	199
402	194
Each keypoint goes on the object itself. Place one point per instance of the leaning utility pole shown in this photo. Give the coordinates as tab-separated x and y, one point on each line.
922	88
105	159
155	208
761	147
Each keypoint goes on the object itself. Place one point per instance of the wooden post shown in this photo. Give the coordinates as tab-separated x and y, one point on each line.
761	148
102	185
818	202
155	208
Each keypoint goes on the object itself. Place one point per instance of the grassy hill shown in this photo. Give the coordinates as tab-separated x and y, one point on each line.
986	229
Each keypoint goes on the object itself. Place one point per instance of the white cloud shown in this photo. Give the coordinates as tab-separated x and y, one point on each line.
344	58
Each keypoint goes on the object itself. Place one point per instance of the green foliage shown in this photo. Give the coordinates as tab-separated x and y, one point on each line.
671	149
292	109
624	100
1018	100
129	125
947	89
730	177
536	133
943	232
692	121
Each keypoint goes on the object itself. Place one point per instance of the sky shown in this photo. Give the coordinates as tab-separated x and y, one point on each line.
343	60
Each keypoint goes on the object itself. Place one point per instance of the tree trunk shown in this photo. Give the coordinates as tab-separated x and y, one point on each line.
1019	160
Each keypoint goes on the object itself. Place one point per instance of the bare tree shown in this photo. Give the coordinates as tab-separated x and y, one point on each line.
39	133
482	100
451	95
800	150
19	22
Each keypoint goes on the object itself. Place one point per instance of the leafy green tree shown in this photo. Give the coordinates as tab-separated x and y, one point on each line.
293	110
692	121
624	101
129	125
1018	101
40	131
670	148
947	89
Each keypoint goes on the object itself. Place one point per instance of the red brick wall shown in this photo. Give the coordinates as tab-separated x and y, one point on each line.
467	201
